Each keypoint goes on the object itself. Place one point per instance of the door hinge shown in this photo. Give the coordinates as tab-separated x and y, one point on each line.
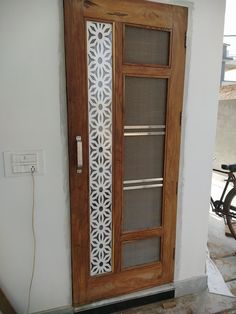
180	118
185	40
173	253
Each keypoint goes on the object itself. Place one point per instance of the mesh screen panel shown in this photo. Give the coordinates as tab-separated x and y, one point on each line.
142	209
141	252
146	46
145	101
144	157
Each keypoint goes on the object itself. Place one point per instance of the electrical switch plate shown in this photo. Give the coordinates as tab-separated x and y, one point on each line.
22	163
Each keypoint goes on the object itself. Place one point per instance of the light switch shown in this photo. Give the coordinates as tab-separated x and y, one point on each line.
21	163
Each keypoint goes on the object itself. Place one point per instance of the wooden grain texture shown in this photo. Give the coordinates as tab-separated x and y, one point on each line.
138	12
126	281
87	289
142	234
146	70
173	132
118	144
77	125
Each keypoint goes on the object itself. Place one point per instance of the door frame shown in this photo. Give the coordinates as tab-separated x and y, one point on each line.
77	107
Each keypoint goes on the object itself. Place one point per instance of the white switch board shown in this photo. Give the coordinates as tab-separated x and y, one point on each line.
22	163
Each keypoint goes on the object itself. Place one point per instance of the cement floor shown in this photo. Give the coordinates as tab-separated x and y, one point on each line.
222	251
201	303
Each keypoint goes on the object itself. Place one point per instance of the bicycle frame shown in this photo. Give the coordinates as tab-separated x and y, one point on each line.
216	205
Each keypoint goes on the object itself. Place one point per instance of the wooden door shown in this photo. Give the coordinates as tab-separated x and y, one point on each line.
125	73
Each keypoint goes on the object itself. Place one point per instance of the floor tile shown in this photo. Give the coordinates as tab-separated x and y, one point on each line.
227	267
219	245
232	286
202	303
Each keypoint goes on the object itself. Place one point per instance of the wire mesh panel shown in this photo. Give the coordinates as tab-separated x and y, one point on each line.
145	101
144	149
141	252
143	157
146	46
142	208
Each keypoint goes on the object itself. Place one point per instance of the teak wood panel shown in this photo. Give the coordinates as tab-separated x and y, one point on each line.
173	129
118	140
136	12
143	234
115	284
77	107
85	288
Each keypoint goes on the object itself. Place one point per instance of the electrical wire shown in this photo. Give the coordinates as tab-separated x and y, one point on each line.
34	238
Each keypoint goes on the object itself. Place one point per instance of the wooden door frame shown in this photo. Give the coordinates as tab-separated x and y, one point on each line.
173	17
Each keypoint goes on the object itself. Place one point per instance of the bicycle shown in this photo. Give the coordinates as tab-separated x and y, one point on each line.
226	206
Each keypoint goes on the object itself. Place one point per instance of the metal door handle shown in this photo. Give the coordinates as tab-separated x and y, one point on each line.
79	154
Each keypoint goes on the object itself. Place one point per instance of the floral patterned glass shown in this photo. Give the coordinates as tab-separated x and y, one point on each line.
99	59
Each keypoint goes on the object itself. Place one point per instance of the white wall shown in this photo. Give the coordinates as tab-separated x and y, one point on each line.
225	146
33	115
204	56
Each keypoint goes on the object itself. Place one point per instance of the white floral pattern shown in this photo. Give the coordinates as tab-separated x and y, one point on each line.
99	39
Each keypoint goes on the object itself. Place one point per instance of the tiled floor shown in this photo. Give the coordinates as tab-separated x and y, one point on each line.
227	267
202	303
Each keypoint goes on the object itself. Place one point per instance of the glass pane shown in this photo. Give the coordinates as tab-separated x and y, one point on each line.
142	209
145	101
141	252
99	60
144	157
146	46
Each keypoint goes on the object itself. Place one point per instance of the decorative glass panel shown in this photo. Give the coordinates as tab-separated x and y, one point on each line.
99	45
146	46
141	252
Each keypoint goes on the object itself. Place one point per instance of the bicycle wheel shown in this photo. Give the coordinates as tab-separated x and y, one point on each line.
230	211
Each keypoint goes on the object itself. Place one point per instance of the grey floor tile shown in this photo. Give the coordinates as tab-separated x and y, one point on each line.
232	286
202	303
219	245
227	267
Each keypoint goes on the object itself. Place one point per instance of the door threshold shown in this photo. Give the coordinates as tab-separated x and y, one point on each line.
128	301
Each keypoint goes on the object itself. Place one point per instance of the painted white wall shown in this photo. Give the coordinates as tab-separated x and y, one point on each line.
33	116
225	146
204	54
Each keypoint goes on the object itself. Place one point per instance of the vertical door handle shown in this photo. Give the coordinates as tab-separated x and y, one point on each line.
79	154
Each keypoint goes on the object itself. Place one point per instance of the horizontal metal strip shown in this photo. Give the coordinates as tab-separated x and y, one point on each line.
143	133
134	127
143	180
140	187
